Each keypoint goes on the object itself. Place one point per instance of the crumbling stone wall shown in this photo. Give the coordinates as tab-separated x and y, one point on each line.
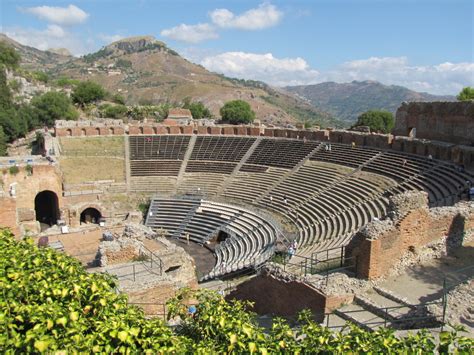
410	225
442	121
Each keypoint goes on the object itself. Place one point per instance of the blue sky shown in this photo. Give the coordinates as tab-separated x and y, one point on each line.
424	45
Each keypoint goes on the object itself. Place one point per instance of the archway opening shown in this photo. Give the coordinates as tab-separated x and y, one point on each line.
91	215
46	208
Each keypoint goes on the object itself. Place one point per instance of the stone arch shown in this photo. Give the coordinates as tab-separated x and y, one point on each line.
181	130
168	130
111	130
47	207
141	130
90	215
69	132
155	130
83	132
236	131
97	131
209	130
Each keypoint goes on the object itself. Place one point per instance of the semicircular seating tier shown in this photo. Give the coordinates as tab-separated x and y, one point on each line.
323	195
251	237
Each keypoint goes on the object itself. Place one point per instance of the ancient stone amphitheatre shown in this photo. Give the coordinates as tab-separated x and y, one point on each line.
316	218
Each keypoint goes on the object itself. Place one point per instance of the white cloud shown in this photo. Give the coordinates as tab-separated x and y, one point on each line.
444	78
191	33
110	38
264	16
264	67
65	16
53	36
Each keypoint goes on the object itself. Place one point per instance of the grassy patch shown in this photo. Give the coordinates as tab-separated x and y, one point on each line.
92	146
80	169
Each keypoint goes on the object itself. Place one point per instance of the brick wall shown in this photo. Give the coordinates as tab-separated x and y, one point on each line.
443	121
377	255
285	298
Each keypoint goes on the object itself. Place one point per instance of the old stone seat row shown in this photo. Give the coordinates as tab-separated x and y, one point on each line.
330	194
251	240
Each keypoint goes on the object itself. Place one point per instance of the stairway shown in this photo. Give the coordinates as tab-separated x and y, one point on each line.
378	308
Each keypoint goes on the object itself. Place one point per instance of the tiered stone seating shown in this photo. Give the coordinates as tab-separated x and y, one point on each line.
164	186
155	147
221	148
210	167
157	155
251	240
282	153
329	194
154	168
204	184
248	186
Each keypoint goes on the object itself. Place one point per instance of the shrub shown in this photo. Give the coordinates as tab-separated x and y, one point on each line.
53	106
466	94
29	169
87	92
377	120
13	170
236	112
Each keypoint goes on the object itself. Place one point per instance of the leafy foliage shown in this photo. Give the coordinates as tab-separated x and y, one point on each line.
466	94
86	92
113	111
9	57
377	120
237	111
198	110
118	99
53	106
50	304
3	142
64	81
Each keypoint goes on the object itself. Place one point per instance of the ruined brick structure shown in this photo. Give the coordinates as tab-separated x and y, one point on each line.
442	121
381	244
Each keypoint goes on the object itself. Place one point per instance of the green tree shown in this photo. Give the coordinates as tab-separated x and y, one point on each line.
54	106
3	142
118	99
87	92
237	111
9	57
466	94
377	120
198	110
113	111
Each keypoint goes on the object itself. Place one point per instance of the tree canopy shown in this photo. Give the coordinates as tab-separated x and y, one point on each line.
377	120
198	110
53	106
9	57
466	94
86	92
236	112
51	304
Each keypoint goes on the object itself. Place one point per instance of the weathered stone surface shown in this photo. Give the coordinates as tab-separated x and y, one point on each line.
26	214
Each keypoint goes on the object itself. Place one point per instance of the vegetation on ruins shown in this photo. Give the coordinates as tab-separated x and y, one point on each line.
236	112
53	106
377	120
86	92
50	304
466	94
113	111
198	110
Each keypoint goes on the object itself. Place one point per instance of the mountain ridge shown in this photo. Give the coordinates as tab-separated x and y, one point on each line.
347	101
